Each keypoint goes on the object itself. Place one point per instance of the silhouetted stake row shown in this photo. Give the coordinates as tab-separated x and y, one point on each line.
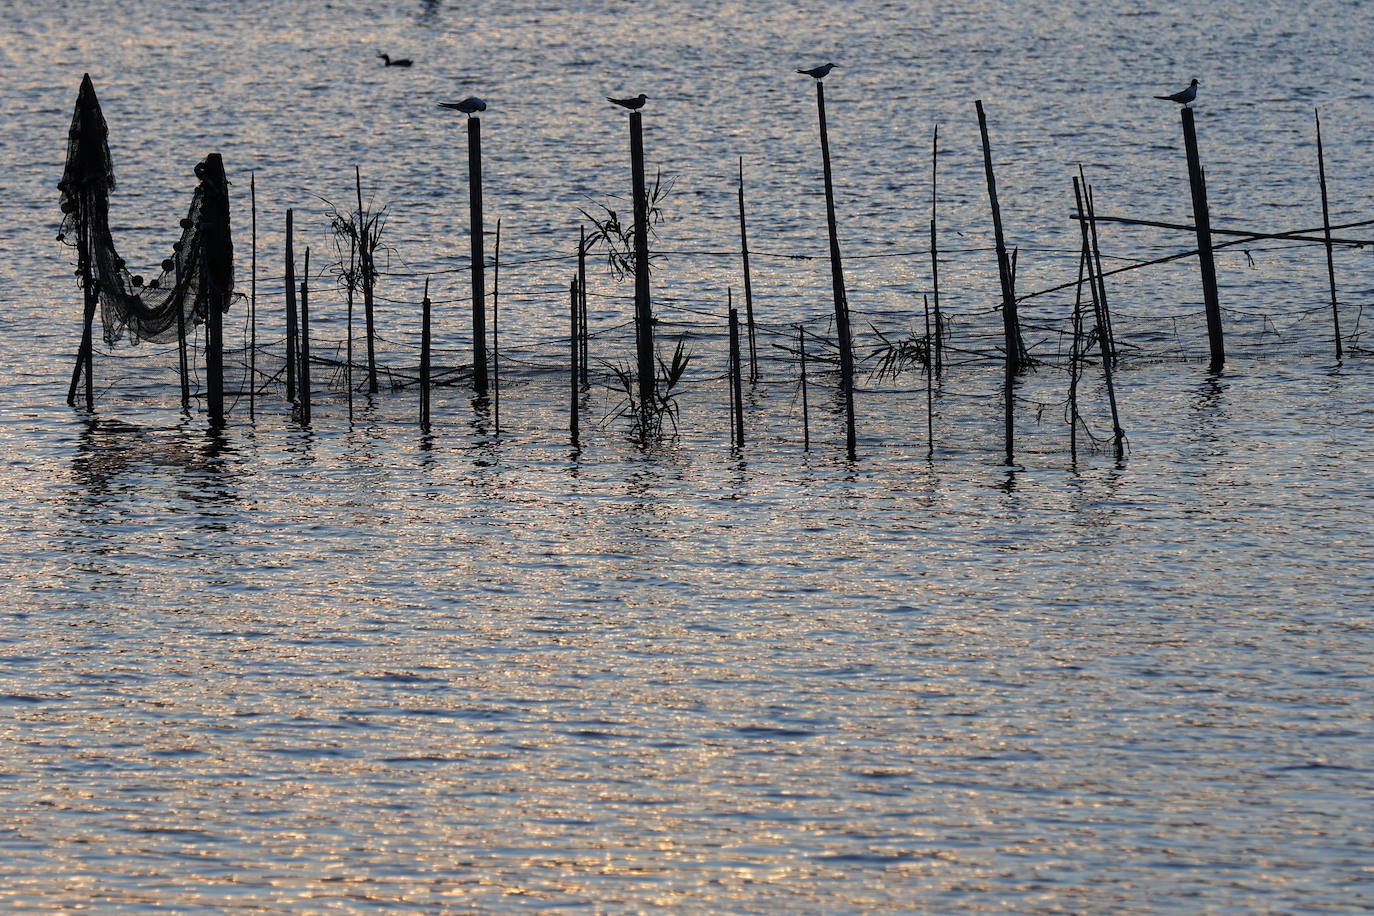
363	242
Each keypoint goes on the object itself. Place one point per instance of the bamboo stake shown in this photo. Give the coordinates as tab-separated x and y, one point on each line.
496	327
352	281
748	282
573	374
182	363
424	359
1010	325
1097	263
365	262
479	316
934	258
582	303
1326	227
806	411
1118	436
644	330
1203	219
253	305
303	377
216	280
930	386
1075	357
837	283
736	388
291	345
84	360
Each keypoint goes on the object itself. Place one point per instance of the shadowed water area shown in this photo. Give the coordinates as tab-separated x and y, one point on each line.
353	667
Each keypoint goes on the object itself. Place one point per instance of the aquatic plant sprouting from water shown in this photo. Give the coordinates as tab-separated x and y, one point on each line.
660	418
357	239
900	355
616	238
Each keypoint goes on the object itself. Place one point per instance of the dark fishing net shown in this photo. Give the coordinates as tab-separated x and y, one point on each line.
198	275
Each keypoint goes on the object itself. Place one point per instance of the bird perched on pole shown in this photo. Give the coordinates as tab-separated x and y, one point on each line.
633	104
819	73
1183	96
468	106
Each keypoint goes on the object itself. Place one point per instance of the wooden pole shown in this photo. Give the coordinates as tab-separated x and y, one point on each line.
934	257
183	368
253	305
1203	220
736	388
930	384
365	263
1075	358
479	307
748	282
1097	264
424	359
574	376
1326	226
582	302
1011	327
806	408
84	357
291	346
496	327
217	284
303	377
837	283
644	321
1104	350
348	352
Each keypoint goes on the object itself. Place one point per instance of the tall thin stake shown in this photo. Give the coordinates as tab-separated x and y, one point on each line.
736	388
837	284
1097	264
216	281
182	365
291	346
253	305
84	359
573	373
1326	226
644	320
352	281
1104	349
303	377
1075	356
930	385
934	256
479	310
582	302
806	409
1011	327
748	282
424	359
496	327
365	246
1202	219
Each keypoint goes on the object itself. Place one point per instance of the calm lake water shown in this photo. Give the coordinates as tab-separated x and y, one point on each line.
351	667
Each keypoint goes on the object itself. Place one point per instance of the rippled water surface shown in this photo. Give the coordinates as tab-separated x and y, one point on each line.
351	667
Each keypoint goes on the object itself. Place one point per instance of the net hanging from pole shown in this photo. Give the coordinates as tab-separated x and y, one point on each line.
197	277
